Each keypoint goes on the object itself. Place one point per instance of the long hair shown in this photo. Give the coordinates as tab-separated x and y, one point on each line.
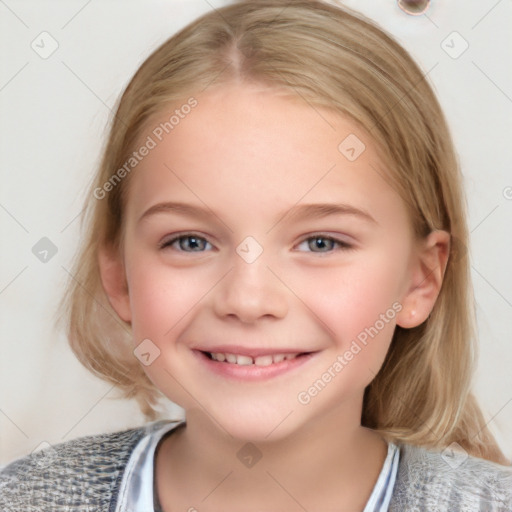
334	58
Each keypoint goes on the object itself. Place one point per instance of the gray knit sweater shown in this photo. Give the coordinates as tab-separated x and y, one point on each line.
84	475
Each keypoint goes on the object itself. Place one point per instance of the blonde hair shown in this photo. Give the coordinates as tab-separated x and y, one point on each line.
333	58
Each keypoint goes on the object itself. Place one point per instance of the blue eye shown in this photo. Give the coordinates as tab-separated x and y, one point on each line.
186	243
193	243
324	244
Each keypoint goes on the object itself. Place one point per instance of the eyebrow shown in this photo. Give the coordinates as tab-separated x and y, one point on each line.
297	212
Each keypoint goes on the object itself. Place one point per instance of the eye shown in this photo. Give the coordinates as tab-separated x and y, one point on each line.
186	243
324	244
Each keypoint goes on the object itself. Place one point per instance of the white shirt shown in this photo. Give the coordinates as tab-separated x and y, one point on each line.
136	490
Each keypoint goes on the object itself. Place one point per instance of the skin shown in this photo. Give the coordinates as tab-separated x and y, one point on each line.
250	153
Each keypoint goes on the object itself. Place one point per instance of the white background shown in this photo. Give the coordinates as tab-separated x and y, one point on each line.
53	117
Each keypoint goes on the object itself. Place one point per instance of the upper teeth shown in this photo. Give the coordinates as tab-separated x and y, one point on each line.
247	360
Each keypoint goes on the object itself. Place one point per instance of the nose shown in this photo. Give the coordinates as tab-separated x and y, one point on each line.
250	291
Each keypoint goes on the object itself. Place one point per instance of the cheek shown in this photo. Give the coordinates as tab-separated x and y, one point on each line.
354	295
163	301
358	313
161	297
357	305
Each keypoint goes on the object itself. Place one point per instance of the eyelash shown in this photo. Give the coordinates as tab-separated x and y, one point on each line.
343	246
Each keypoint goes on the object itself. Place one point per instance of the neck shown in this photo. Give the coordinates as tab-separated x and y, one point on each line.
332	459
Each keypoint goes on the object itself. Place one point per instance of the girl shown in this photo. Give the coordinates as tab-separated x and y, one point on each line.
275	242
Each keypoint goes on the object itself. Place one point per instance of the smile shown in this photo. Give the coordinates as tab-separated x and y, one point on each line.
256	367
243	360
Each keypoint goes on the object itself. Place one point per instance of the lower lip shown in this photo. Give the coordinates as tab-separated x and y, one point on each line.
252	372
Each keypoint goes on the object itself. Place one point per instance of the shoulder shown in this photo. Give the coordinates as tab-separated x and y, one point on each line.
446	480
83	471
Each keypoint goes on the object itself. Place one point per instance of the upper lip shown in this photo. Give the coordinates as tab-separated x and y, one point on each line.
249	351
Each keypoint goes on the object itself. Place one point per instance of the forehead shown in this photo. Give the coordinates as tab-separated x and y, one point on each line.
258	148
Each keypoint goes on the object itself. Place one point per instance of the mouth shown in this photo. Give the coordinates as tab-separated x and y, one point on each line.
255	367
244	360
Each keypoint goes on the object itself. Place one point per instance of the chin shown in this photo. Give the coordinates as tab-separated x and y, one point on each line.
258	424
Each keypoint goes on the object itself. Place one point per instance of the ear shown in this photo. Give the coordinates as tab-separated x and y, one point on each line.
113	279
427	272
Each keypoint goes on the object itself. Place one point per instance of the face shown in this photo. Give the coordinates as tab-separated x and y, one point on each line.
253	235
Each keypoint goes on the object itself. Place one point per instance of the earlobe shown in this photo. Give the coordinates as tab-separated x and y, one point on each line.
113	279
426	280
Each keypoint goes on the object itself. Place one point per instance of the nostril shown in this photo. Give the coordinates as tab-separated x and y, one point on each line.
414	7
